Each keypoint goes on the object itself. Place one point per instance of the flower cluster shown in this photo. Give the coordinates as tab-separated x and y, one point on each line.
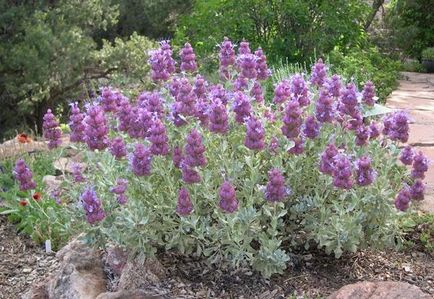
51	130
396	126
140	160
96	128
188	59
255	134
92	206
276	189
24	175
119	189
76	124
162	63
228	199
184	206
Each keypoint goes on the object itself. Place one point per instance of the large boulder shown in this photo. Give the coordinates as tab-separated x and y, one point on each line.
137	274
379	290
129	294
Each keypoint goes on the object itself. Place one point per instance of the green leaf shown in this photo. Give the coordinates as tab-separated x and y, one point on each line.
377	110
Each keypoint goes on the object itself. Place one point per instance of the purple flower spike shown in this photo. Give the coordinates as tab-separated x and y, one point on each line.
255	134
417	190
257	93
141	160
311	127
186	99
275	189
189	174
328	159
241	107
282	92
362	135
124	114
218	118
158	138
407	155
51	130
200	87
319	73
262	70
162	63
194	150
96	128
227	58
273	147
374	130
24	175
228	200
402	200
420	166
177	156
333	86
77	173
325	107
152	102
247	64
396	126
118	148
188	59
298	147
76	124
219	92
365	175
299	90
109	99
244	48
349	100
92	206
292	120
368	94
241	83
342	172
140	122
202	107
119	189
184	206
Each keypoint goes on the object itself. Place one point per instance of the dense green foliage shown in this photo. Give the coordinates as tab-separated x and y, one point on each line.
285	29
428	54
410	26
48	56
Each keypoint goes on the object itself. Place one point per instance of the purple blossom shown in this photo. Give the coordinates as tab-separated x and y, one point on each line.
333	86
273	147
241	83
244	48
299	90
194	150
241	107
92	206
417	190
202	107
256	92
342	172
124	114
374	130
177	156
184	206
188	59
349	103
162	63
141	160
328	159
96	128
275	189
365	175
200	87
158	138
282	92
255	134
51	130
119	189
247	65
262	70
24	175
140	122
77	173
228	200
407	155
402	200
356	121
319	73
219	92
396	126
152	102
76	124
362	135
368	93
174	86
189	174
298	147
117	147
311	127
420	166
292	120
186	99
227	58
109	99
325	107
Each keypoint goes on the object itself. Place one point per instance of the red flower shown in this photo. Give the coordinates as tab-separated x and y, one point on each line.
37	196
23	138
23	202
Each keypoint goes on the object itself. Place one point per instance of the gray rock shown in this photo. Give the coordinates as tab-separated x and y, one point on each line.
129	294
139	275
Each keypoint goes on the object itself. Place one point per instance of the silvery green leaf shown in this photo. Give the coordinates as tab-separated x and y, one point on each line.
377	110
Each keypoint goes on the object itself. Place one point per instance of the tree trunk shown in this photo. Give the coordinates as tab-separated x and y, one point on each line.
375	7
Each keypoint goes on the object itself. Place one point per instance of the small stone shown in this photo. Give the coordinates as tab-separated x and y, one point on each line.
27	270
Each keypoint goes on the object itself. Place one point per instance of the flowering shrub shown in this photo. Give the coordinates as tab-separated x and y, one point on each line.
212	170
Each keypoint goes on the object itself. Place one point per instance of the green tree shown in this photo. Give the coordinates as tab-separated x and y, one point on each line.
292	29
